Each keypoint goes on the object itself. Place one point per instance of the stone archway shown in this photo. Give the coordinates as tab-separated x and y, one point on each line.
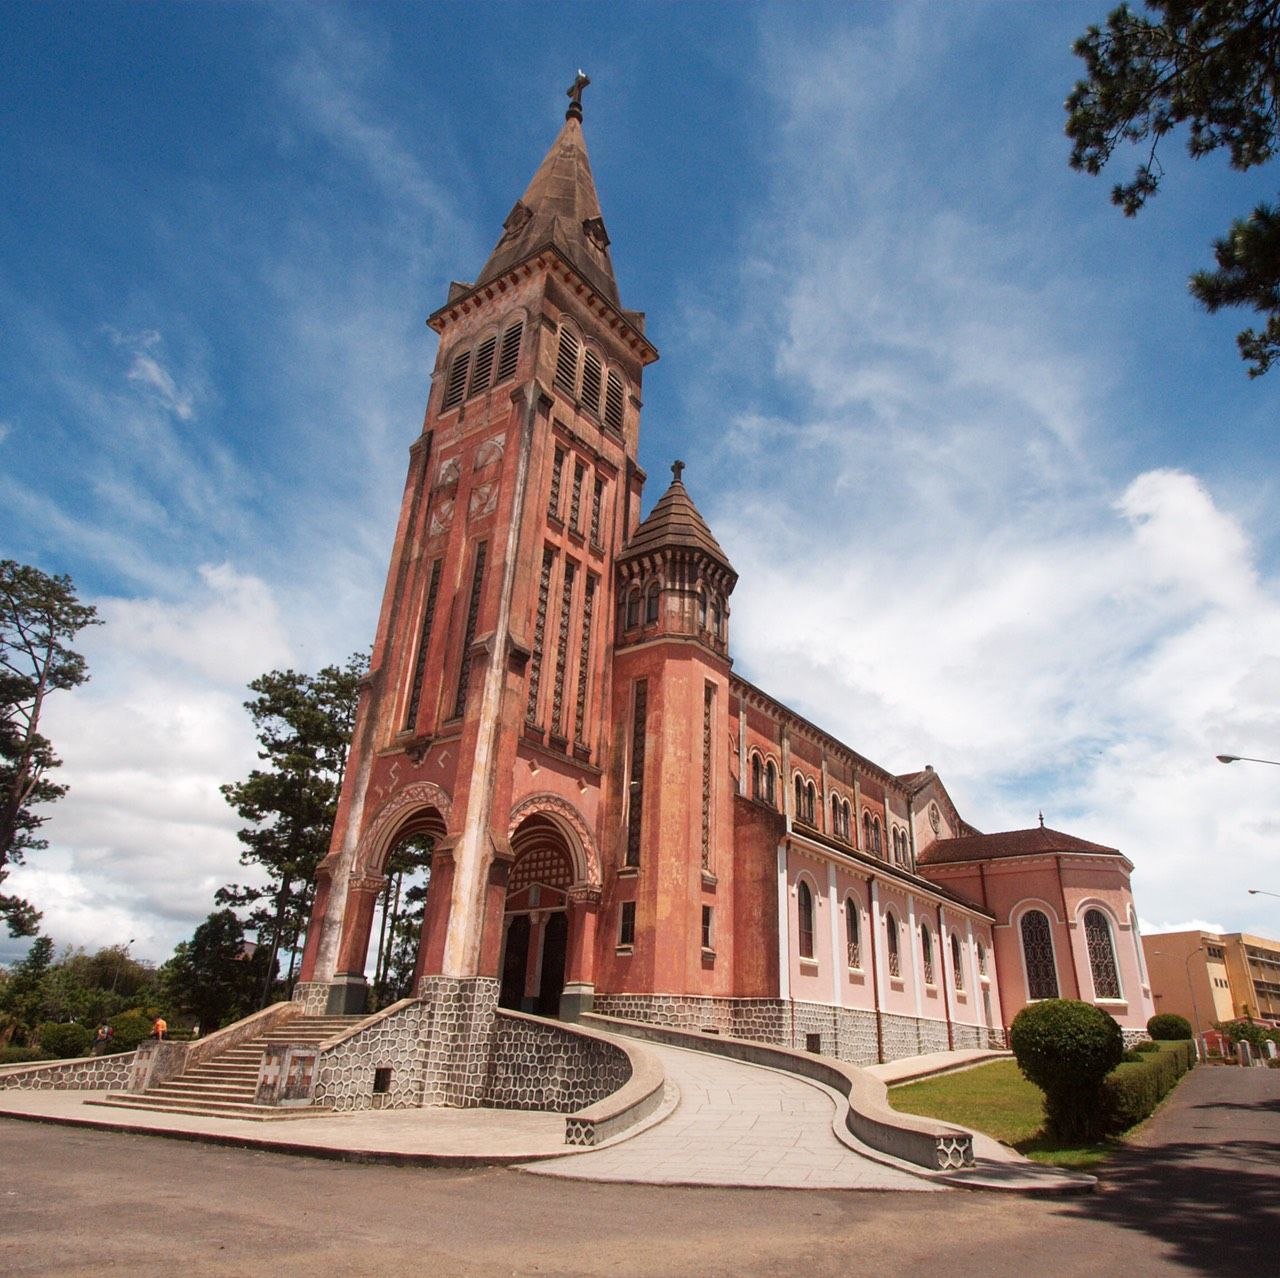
548	919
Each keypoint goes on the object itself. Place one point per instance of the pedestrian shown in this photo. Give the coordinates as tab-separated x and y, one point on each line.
160	1028
102	1039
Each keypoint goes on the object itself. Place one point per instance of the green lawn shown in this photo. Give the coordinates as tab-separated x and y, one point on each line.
997	1100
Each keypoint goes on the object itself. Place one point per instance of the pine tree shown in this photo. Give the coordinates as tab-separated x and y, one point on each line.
1214	66
39	616
304	724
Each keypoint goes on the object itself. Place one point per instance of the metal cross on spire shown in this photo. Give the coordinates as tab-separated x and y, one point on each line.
676	468
574	94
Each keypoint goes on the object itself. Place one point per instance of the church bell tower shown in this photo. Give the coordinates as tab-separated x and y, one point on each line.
483	719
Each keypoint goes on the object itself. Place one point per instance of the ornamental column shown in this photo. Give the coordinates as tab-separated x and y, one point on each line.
580	962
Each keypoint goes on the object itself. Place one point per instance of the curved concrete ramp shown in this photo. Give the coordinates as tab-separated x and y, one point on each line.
736	1124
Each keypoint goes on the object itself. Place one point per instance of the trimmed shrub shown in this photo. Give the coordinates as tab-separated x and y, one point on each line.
21	1055
1067	1049
62	1040
1169	1027
1148	1046
1244	1032
1132	1091
129	1029
1130	1057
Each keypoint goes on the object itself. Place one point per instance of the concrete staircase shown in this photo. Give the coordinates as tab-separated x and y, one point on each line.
224	1086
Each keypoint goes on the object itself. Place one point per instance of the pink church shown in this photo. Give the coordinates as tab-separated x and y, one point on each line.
620	822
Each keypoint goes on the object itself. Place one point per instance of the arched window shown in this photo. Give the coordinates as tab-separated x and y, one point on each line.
771	784
613	401
1102	955
1037	952
866	831
757	778
651	604
717	617
810	804
804	910
852	931
957	968
875	835
633	608
566	378
982	959
702	609
926	952
835	815
799	797
456	386
891	936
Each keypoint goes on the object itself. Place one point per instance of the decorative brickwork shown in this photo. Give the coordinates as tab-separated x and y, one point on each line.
313	995
539	1065
90	1072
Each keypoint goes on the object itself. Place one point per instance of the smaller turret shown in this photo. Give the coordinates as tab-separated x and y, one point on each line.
673	578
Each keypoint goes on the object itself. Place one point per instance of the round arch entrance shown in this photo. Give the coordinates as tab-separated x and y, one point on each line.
548	922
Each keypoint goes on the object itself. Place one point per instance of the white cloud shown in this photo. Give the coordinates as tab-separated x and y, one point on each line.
148	373
143	839
946	553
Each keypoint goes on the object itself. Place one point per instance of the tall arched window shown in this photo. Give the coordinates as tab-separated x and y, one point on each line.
957	968
835	815
926	952
982	959
757	778
852	931
651	604
771	784
810	804
799	797
866	831
891	937
1102	955
1037	952
633	608
804	910
875	835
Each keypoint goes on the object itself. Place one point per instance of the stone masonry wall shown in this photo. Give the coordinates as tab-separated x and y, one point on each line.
537	1065
345	1074
95	1072
847	1033
459	1039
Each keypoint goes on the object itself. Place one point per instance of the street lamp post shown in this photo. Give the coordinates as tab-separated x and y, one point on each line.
1244	758
124	954
1191	989
1262	892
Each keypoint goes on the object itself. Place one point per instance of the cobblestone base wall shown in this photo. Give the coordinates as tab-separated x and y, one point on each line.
459	1039
345	1075
91	1072
1134	1036
313	995
542	1066
847	1033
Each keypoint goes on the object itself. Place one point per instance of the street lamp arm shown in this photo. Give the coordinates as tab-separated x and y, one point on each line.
1245	758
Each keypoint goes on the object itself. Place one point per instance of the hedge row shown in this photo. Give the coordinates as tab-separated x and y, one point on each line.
1134	1090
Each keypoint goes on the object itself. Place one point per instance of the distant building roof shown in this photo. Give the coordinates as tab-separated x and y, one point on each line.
1037	841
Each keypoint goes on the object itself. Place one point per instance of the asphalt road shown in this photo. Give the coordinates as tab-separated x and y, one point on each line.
1198	1193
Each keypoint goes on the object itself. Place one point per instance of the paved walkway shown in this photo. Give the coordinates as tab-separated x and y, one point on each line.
1202	1179
737	1124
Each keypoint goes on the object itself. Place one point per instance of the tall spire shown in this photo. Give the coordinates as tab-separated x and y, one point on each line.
560	210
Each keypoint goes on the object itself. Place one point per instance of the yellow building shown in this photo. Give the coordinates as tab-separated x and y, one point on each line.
1212	976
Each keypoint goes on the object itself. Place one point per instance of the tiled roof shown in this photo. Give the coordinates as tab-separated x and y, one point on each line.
675	521
1037	841
559	210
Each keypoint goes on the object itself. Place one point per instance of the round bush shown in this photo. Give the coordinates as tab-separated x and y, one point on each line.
1169	1027
1145	1048
129	1029
1067	1049
63	1040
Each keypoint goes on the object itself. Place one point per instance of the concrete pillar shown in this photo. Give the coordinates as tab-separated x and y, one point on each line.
580	987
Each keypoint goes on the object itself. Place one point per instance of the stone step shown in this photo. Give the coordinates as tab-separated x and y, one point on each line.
210	1109
204	1091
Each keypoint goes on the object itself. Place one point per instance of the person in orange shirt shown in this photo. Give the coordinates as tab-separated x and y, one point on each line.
160	1028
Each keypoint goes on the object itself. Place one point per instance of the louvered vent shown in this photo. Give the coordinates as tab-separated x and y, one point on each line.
591	374
510	355
613	402
483	365
457	383
567	363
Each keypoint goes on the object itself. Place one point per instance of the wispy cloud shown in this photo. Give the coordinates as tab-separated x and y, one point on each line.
148	373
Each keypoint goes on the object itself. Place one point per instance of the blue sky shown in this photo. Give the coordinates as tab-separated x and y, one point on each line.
1001	498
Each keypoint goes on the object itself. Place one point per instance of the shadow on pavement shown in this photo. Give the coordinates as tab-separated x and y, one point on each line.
1217	1214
